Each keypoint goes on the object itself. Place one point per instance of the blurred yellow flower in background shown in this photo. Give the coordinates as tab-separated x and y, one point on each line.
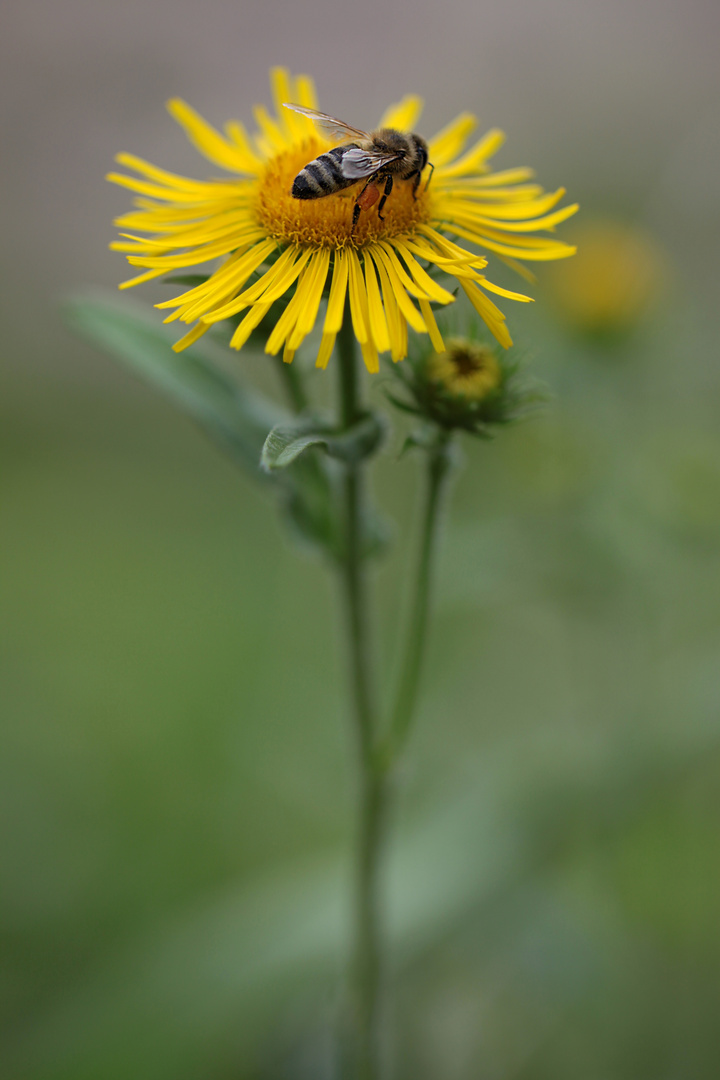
271	243
617	275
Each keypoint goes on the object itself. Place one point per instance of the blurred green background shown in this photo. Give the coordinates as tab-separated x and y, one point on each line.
177	777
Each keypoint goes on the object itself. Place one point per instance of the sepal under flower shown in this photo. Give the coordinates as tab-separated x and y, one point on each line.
469	386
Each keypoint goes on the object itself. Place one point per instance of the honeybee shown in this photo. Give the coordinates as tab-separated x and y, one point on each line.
385	155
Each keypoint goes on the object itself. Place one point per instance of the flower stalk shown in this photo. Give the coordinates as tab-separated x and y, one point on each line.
439	466
367	961
379	753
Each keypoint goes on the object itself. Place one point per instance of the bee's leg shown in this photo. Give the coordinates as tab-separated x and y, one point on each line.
386	192
418	177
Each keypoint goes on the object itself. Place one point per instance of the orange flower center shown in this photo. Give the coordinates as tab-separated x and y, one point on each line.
327	221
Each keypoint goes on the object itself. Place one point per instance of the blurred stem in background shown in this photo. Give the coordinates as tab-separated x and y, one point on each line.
378	752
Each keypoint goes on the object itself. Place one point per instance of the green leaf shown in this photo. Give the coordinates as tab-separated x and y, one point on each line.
404	406
232	413
312	508
423	438
287	442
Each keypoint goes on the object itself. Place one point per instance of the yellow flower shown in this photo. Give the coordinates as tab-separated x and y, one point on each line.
619	273
272	244
466	368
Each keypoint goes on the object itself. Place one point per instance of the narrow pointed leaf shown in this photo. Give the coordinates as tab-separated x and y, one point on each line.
234	414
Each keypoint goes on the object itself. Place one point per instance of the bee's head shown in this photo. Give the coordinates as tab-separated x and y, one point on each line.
421	148
391	140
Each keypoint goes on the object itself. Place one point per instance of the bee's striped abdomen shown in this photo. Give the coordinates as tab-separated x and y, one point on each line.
322	176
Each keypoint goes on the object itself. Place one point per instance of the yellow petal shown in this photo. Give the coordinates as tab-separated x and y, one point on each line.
435	336
358	299
153	173
167	194
271	129
338	290
392	312
448	143
480	220
305	93
253	318
191	337
149	276
325	352
311	300
239	138
508	209
243	269
282	91
187	258
404	114
488	312
223	279
404	302
207	140
485	284
295	309
522	247
476	157
407	282
370	356
421	277
378	321
276	281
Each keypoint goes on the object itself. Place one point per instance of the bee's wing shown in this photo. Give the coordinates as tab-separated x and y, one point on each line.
357	164
336	129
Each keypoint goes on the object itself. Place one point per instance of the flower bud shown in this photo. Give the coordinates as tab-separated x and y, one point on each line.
466	370
469	386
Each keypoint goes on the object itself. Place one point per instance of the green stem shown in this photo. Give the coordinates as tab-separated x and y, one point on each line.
439	462
353	569
367	967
